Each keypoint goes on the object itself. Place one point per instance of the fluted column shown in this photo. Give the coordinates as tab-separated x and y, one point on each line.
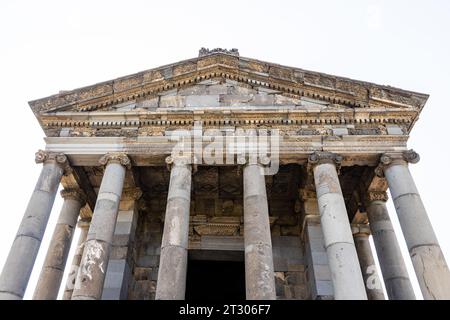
426	254
369	272
259	274
171	283
53	269
346	275
395	275
91	276
75	266
19	264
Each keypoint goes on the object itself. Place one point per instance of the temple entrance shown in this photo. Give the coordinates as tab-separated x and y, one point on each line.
212	279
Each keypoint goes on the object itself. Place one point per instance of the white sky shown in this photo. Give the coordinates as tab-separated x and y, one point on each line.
47	46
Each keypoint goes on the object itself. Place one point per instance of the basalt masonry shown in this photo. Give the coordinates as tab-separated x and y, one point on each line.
223	176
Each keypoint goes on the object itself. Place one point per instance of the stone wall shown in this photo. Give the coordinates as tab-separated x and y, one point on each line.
146	257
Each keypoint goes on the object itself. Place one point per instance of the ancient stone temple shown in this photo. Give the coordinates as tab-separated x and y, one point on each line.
227	177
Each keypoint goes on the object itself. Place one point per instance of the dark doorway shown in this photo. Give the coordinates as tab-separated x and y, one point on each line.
215	280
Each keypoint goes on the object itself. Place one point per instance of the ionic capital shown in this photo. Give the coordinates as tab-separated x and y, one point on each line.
182	160
120	158
259	160
320	157
396	158
74	194
131	194
376	196
42	156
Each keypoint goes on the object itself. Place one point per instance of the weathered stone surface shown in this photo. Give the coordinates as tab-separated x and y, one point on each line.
94	263
173	259
343	260
19	264
428	261
367	263
52	272
393	268
259	277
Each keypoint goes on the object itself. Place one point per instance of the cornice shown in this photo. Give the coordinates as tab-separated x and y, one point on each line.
113	119
290	81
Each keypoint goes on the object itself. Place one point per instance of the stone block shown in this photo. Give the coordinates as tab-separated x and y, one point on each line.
119	253
148	261
319	258
324	288
111	294
300	292
295	266
394	130
150	104
286	241
235	100
142	273
240	90
294	278
193	90
123	228
262	100
172	101
316	245
202	101
322	272
315	232
218	89
340	131
121	240
282	100
288	292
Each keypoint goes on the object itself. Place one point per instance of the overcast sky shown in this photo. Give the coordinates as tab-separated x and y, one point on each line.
47	46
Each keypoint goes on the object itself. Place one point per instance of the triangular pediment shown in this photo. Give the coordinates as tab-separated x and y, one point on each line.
283	83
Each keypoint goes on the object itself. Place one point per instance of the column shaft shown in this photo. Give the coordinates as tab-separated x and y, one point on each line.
53	269
75	266
367	263
348	283
259	276
19	264
171	283
426	255
393	268
91	276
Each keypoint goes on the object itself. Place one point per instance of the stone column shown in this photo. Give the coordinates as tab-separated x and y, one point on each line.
426	255
75	266
53	269
259	276
19	264
171	284
393	268
119	269
348	282
91	276
369	272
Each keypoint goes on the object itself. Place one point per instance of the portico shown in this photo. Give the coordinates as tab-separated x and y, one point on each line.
284	168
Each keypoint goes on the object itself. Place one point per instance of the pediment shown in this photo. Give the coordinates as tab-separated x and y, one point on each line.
286	85
217	94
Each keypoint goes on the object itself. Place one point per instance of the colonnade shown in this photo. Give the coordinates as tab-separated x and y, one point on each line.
348	251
